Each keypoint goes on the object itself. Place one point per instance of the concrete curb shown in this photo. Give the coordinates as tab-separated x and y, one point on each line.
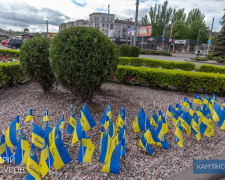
188	174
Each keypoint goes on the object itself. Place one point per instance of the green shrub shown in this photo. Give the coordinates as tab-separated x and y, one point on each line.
156	63
200	58
134	51
10	73
82	59
210	56
10	52
153	52
220	60
34	59
211	69
180	80
124	51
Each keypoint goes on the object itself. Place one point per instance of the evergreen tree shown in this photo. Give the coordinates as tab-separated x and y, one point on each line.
219	49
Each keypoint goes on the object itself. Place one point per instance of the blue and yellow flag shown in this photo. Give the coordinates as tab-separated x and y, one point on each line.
206	100
58	150
38	135
159	131
195	127
86	149
46	159
143	143
217	113
186	103
5	153
45	118
121	136
141	122
77	133
48	129
221	123
154	119
32	165
223	103
161	117
112	164
214	99
108	113
72	124
120	119
10	133
206	126
112	128
191	110
22	150
197	99
178	106
105	146
186	119
178	134
171	112
200	114
86	119
29	117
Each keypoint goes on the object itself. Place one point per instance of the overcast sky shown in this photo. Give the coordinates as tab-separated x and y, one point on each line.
18	14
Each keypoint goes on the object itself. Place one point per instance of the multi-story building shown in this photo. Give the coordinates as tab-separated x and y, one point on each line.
105	22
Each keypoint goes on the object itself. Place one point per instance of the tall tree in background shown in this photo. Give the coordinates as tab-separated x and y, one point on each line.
178	15
195	14
219	48
222	22
180	30
145	21
160	17
198	26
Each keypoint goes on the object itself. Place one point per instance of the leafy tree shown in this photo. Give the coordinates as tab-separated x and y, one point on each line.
222	22
178	15
195	14
160	17
214	39
180	30
37	35
145	20
195	27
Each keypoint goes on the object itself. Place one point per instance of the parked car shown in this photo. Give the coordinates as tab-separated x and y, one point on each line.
4	41
14	43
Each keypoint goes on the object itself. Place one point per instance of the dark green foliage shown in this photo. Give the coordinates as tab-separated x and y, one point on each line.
210	56
10	73
200	58
220	59
10	52
145	51
34	59
134	51
211	69
153	63
219	47
179	80
124	51
82	59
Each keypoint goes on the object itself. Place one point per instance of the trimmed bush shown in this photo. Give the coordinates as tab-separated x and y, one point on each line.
10	52
210	56
82	59
153	63
34	59
134	51
211	69
220	60
10	73
153	52
200	58
124	51
179	80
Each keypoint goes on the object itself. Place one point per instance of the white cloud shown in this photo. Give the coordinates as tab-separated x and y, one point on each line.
68	11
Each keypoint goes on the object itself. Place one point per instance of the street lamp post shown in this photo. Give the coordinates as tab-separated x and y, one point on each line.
46	19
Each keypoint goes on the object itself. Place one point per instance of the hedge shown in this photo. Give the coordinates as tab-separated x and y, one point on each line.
211	69
153	52
10	73
9	52
172	79
153	63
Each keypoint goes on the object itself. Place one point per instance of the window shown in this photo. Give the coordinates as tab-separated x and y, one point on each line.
103	19
103	25
107	26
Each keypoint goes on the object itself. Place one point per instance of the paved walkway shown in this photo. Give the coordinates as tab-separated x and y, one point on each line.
188	174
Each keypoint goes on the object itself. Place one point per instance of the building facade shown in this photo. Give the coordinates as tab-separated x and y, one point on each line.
79	22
